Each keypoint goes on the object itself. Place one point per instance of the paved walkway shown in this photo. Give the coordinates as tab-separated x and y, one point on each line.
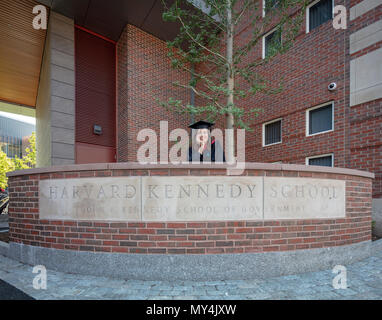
364	280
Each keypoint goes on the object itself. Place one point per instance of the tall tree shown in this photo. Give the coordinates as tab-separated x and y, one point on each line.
223	71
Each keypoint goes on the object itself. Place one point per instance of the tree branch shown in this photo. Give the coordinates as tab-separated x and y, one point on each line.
198	43
246	6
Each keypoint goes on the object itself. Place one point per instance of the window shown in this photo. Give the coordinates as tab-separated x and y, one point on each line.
269	5
319	119
323	160
272	132
318	13
271	43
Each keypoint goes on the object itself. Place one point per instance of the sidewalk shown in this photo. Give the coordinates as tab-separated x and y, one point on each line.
364	280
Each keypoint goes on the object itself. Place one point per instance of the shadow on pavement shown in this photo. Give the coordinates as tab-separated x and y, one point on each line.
8	292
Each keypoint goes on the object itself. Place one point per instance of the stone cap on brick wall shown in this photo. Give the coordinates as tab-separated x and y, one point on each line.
138	166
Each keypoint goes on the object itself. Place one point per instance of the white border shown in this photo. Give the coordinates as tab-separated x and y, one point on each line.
266	35
307	119
307	29
281	132
320	156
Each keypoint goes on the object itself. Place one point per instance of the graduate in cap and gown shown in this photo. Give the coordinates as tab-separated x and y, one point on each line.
204	148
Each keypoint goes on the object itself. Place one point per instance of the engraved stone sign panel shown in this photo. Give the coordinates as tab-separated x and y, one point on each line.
91	198
303	198
191	198
202	198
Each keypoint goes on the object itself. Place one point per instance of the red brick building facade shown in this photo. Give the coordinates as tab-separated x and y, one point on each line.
317	58
145	77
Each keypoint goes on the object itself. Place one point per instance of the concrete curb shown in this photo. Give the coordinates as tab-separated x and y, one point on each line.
376	247
191	267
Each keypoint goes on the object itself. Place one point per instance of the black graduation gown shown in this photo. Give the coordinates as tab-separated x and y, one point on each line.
215	153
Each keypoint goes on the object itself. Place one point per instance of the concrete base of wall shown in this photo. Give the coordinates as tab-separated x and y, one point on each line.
189	267
4	248
377	217
4	222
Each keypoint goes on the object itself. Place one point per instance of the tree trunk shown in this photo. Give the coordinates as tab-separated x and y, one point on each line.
230	142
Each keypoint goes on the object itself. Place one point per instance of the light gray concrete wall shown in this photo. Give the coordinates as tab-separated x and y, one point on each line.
43	132
365	70
363	7
55	109
366	78
366	37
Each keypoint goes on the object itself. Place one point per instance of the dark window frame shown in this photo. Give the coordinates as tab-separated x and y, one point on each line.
309	131
308	15
331	155
264	137
273	31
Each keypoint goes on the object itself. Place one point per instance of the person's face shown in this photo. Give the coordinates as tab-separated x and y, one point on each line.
202	136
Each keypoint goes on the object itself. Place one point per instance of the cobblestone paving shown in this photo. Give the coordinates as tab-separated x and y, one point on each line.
364	280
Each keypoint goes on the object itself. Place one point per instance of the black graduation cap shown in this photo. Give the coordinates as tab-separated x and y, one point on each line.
201	124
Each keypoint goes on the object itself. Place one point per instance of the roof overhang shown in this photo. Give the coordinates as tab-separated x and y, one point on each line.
109	18
22	46
21	49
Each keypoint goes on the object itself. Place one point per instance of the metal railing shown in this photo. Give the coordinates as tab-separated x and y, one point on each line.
12	146
4	201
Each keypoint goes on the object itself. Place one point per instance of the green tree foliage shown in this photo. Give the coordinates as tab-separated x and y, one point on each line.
229	72
6	165
11	164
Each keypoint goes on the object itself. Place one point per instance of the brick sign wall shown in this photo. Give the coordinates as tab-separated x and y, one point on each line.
245	234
